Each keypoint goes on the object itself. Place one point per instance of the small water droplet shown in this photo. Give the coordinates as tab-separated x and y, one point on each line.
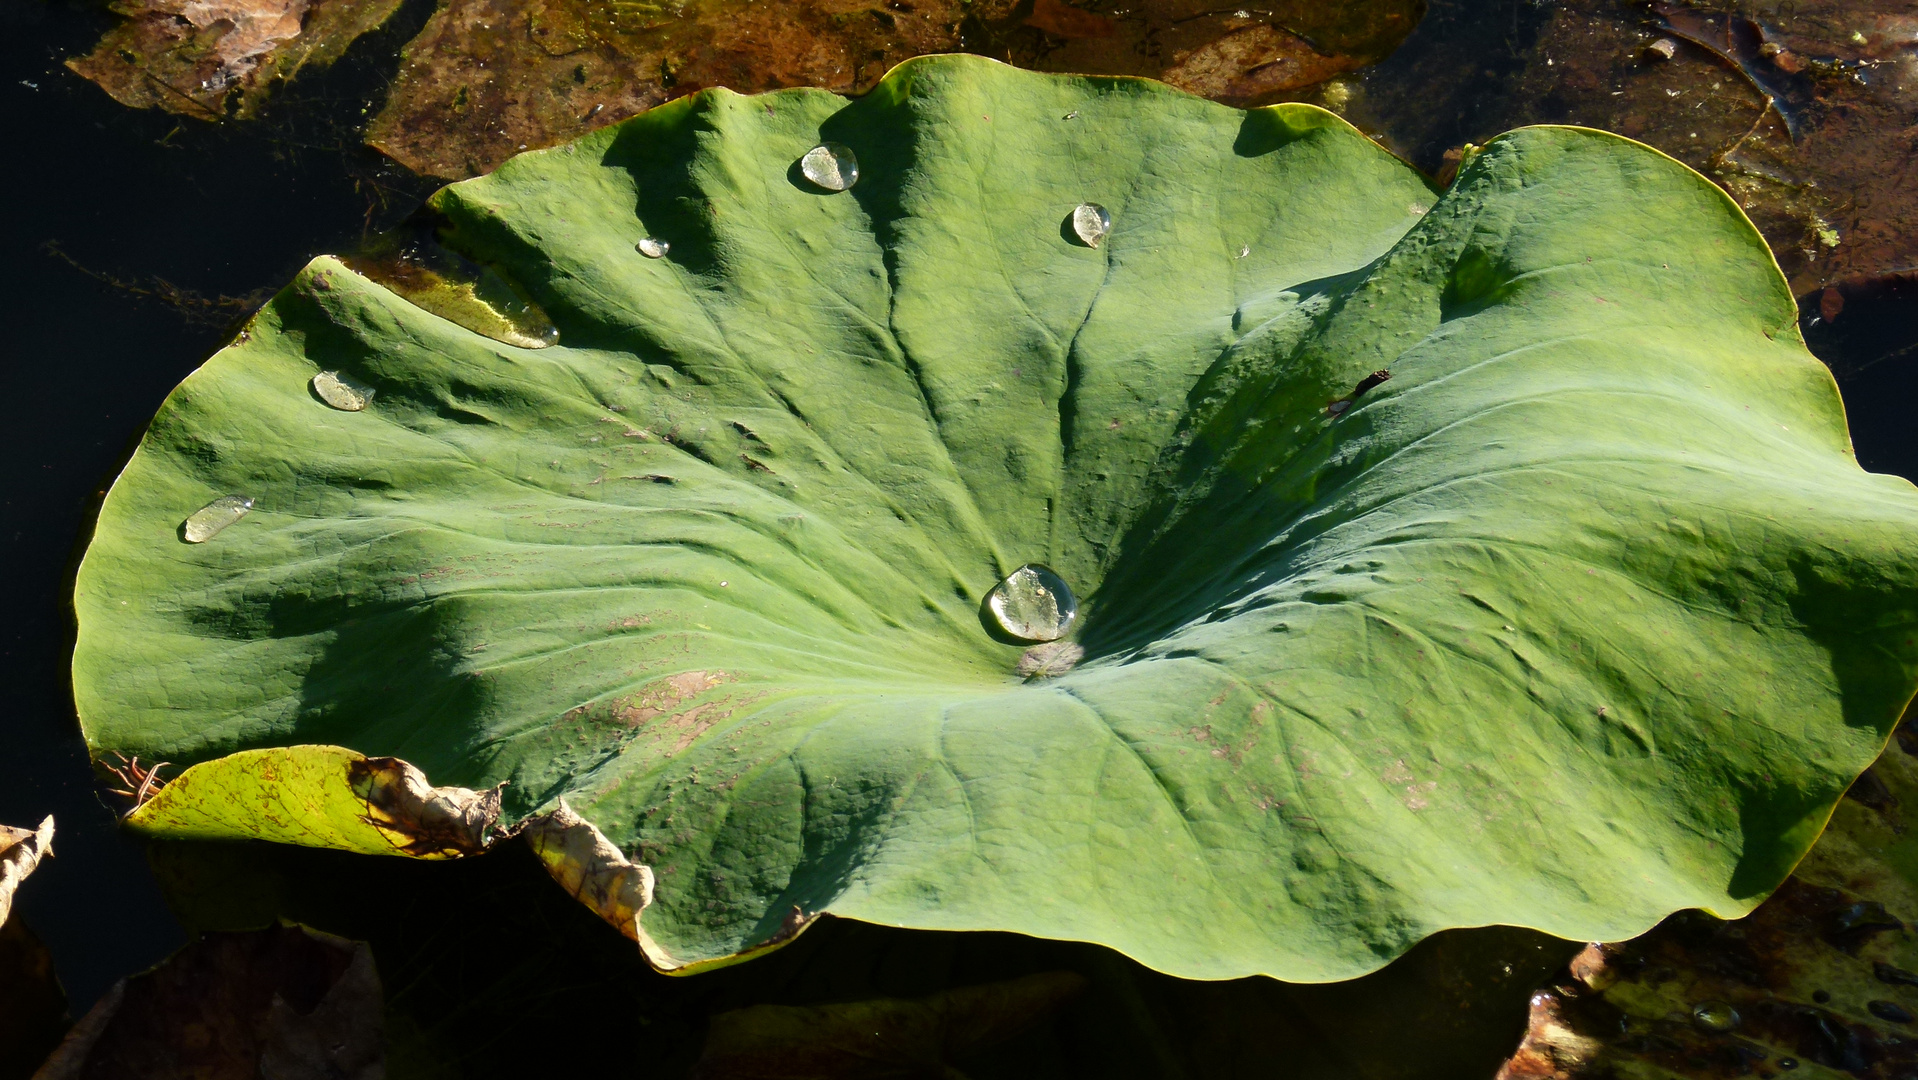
340	392
1244	250
653	248
1091	222
1033	604
831	166
1714	1016
1073	115
208	520
1788	1063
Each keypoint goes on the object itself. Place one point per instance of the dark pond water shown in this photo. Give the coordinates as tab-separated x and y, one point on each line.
134	241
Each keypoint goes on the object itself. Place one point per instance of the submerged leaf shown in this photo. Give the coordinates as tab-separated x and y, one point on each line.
558	68
214	58
1585	616
280	1002
1805	112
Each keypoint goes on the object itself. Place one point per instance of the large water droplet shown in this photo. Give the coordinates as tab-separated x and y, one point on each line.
831	166
1033	604
1091	222
653	247
340	392
1714	1016
208	520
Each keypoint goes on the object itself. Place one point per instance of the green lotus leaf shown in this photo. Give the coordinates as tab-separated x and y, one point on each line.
1586	615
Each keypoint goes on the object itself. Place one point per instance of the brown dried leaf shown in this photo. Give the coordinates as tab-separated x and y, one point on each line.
880	1038
487	78
1254	63
284	1002
1805	112
588	866
214	58
20	852
423	820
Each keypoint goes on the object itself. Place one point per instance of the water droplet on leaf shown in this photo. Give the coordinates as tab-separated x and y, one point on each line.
1033	604
1714	1016
831	166
653	248
208	520
341	393
1091	222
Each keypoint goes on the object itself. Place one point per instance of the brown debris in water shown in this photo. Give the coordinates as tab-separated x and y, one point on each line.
487	78
1806	112
281	1002
213	59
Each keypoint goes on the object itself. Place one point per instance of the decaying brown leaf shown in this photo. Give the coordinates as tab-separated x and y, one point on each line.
215	58
881	1038
1806	111
423	820
20	852
285	1002
487	78
1825	973
588	866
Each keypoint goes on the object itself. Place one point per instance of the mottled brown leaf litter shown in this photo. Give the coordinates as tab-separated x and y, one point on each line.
217	58
1825	973
488	78
283	1002
1806	111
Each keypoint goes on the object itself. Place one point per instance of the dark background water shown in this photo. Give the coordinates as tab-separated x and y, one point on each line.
156	204
133	242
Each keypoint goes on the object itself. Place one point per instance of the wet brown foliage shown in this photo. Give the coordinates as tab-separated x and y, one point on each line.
1805	111
488	78
282	1002
217	58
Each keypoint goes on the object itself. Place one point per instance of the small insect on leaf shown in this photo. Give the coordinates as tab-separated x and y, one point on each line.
1338	407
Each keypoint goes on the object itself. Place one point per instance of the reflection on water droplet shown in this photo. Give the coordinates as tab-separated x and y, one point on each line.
831	166
340	392
1714	1016
1244	250
1091	222
1033	604
1073	115
208	520
653	248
